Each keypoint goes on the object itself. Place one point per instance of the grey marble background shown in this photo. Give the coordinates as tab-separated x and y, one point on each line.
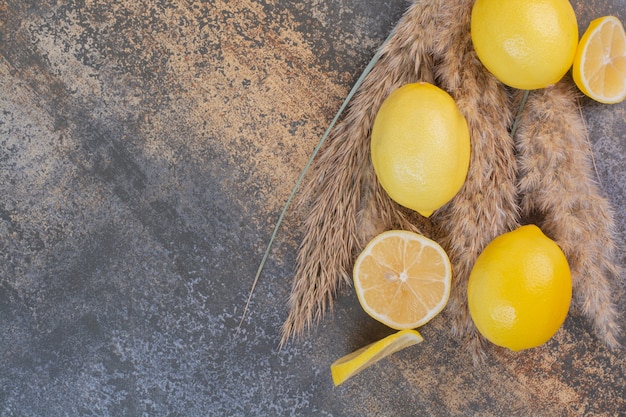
146	149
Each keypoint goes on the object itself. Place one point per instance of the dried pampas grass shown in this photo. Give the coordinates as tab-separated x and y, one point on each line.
486	205
348	206
544	172
557	187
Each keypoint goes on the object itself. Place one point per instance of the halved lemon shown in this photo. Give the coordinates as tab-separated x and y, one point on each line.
353	363
599	68
402	279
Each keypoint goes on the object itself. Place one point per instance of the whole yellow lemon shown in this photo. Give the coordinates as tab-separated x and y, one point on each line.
420	147
526	44
520	289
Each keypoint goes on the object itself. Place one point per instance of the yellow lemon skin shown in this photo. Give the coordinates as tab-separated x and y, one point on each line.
520	289
526	44
420	147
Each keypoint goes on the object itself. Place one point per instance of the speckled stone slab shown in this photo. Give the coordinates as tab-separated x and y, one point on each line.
146	150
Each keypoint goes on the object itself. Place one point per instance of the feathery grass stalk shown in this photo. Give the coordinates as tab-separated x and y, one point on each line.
486	205
557	186
347	204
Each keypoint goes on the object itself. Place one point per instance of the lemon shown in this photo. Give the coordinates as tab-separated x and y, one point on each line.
520	288
420	147
402	279
353	363
599	68
526	44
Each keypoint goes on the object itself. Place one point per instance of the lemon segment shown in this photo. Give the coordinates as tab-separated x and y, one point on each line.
520	289
420	147
599	68
526	44
355	362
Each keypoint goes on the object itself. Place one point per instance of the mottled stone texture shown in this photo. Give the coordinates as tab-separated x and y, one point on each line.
146	148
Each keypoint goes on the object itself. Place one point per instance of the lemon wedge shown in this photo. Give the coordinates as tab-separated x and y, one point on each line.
353	363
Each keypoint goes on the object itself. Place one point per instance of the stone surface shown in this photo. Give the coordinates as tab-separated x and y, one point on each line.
146	149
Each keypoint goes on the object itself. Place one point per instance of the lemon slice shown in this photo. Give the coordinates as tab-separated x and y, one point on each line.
599	68
402	279
353	363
